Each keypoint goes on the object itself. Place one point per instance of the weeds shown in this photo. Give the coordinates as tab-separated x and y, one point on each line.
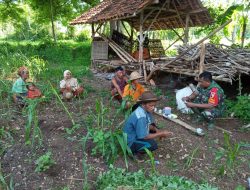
6	140
228	156
117	178
3	183
240	107
190	159
44	162
84	162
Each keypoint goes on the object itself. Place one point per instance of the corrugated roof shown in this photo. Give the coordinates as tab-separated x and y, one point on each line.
173	15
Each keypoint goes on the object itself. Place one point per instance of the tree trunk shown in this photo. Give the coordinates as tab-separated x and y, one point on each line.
52	21
243	32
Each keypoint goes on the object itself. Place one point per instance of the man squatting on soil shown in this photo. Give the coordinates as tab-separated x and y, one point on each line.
140	127
118	83
208	100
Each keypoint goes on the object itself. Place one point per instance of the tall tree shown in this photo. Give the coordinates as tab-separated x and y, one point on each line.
49	11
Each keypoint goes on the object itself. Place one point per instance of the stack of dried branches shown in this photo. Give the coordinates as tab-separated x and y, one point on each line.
224	64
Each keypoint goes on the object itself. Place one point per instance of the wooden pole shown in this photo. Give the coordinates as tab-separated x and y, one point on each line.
141	39
180	36
240	85
92	30
174	42
202	58
186	30
131	38
182	123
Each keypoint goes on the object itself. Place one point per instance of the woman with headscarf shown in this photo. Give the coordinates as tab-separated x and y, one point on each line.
22	90
69	86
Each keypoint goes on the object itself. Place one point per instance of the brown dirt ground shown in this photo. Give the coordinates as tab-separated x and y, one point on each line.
19	160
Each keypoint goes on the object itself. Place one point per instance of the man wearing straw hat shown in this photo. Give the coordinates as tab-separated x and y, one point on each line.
140	128
133	90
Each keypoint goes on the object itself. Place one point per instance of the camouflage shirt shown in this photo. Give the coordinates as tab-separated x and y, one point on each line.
213	94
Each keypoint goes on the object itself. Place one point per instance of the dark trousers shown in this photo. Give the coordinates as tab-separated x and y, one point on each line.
139	145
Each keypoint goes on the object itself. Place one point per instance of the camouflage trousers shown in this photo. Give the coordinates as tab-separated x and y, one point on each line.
208	114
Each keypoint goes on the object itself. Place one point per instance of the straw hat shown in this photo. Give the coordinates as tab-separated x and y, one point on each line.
135	75
148	97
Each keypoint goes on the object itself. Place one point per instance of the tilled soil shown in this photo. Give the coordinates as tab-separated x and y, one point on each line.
183	154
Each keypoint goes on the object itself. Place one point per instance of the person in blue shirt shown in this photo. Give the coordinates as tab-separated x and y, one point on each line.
140	128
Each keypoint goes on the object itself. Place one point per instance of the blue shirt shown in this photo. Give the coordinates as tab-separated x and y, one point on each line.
137	125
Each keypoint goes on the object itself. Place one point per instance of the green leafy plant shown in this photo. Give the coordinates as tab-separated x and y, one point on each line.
157	91
33	132
104	144
240	107
123	141
85	167
44	162
152	160
116	178
63	105
228	156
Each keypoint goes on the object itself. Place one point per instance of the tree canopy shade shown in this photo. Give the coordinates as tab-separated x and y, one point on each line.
10	11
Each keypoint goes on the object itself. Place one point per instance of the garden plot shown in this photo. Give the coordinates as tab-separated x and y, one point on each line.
216	158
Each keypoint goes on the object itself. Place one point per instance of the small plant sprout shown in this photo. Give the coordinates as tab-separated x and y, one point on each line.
44	162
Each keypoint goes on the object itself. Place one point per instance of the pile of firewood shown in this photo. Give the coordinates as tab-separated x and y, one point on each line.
224	63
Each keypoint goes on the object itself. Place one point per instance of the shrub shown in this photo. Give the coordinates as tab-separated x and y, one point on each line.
240	107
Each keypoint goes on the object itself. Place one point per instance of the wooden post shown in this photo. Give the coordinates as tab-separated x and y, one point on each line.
240	85
202	58
174	42
93	31
186	30
141	39
131	38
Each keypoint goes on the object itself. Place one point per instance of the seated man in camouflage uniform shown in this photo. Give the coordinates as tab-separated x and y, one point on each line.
207	100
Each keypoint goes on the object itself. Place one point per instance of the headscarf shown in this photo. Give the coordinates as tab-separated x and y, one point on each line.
22	70
66	72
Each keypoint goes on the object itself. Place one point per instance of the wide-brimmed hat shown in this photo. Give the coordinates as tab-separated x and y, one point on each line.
135	75
147	97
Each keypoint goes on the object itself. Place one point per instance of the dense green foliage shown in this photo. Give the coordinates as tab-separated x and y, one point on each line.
119	178
240	108
43	58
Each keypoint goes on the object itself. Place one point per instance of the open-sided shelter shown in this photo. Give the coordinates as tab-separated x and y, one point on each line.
144	16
